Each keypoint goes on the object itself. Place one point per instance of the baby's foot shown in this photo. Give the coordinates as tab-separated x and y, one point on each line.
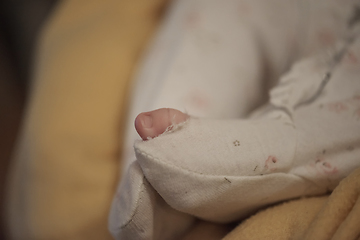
152	124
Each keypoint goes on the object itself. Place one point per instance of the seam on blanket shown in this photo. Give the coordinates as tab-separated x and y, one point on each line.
208	175
227	176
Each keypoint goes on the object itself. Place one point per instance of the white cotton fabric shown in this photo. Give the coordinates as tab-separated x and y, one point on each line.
206	61
303	142
144	214
222	170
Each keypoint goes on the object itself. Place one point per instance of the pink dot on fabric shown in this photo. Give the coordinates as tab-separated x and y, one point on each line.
192	19
337	107
199	100
325	36
352	58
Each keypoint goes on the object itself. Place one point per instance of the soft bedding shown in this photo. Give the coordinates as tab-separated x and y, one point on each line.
303	142
67	162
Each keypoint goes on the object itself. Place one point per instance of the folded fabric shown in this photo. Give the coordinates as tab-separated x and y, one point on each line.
336	217
303	144
144	214
339	218
195	168
284	221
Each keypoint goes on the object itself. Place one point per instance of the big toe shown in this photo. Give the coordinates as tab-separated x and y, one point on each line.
152	124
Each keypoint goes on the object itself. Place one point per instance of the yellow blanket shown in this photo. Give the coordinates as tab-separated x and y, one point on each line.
335	217
66	166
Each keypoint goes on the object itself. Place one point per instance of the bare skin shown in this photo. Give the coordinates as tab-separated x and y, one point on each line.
152	124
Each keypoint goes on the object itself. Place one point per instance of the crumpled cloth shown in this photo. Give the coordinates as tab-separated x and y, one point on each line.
327	217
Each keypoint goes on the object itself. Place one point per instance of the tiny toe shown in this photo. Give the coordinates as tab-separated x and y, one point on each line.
152	124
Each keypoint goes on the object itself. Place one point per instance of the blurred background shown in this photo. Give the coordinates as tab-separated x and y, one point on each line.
20	24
